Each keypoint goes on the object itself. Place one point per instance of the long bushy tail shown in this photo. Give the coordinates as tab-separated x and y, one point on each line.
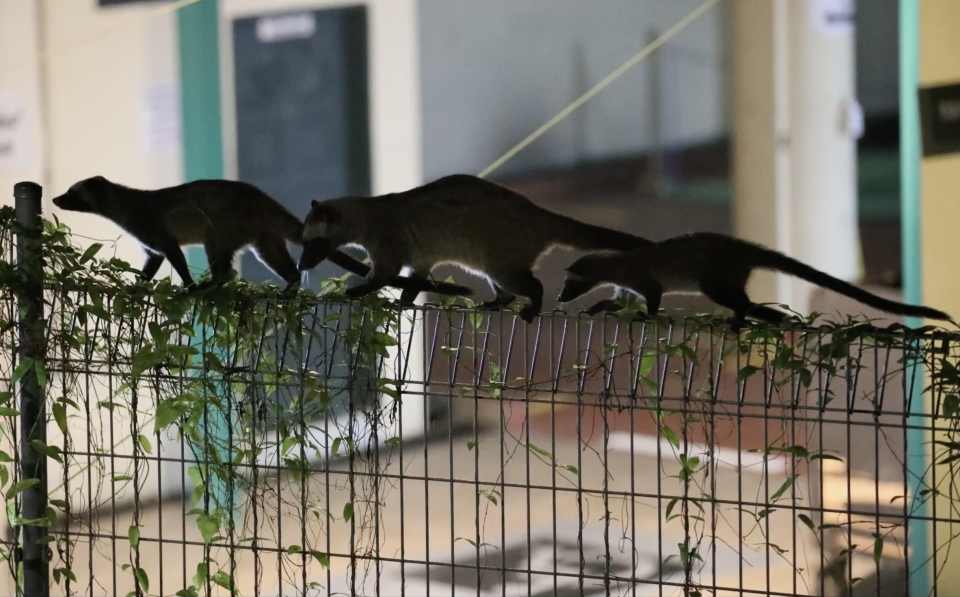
587	236
779	262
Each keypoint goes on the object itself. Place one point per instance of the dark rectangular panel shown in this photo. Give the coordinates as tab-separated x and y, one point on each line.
302	109
940	119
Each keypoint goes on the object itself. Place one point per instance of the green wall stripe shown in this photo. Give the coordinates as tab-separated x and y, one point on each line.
198	30
910	156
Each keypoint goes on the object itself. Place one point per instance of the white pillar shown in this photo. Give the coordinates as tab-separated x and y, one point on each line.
824	123
761	155
796	120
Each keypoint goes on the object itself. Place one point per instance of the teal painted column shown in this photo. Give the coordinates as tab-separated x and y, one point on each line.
910	156
198	28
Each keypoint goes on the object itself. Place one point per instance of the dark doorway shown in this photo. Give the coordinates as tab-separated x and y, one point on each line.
302	111
303	135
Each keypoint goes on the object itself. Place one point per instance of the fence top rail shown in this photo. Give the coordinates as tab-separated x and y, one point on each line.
72	270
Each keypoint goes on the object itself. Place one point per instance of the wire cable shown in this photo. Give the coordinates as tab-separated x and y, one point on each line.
48	54
623	68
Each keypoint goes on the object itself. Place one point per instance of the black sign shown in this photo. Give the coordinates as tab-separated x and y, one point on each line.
940	119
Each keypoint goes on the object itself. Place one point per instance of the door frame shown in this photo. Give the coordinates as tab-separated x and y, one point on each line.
393	72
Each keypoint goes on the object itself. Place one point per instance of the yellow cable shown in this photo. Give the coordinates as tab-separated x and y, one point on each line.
47	54
654	45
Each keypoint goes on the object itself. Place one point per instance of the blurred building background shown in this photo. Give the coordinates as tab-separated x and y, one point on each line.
312	99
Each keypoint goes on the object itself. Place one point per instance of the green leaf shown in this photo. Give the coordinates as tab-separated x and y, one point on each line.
60	416
208	527
197	493
951	405
336	446
223	579
877	547
26	363
41	370
323	558
4	457
647	361
540	451
287	445
822	456
66	572
384	339
142	579
348	511
20	486
670	435
806	520
90	252
133	534
169	411
670	507
6	411
195	475
783	488
200	578
746	372
48	451
145	444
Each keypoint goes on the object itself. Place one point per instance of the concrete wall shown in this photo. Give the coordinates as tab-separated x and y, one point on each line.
96	104
21	117
940	212
494	71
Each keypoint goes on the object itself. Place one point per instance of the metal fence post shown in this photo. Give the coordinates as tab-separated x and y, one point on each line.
33	417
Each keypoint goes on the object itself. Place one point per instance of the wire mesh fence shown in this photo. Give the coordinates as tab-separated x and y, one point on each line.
243	441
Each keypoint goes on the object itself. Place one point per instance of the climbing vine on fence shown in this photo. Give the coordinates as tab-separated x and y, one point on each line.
258	384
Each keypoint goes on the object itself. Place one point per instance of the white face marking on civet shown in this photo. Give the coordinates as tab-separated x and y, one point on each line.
314	230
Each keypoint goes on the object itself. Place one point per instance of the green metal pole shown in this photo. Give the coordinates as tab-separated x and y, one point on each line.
198	29
910	155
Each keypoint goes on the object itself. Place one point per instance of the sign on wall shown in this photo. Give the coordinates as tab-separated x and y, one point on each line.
832	17
160	119
940	119
14	152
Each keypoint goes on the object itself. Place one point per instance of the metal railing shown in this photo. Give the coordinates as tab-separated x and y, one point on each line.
282	445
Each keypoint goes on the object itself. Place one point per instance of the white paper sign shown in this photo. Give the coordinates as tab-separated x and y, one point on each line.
832	17
14	151
285	27
160	119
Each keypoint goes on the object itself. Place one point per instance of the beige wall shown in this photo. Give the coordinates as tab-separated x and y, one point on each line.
95	104
89	113
20	79
940	212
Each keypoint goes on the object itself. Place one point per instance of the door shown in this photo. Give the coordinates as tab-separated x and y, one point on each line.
302	112
303	135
